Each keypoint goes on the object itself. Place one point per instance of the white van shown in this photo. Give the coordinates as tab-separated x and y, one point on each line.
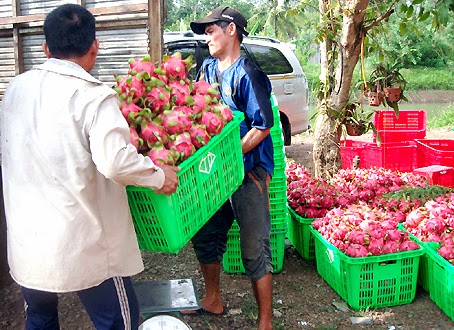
275	58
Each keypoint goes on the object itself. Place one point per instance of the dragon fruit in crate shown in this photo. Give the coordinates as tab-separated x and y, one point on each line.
170	117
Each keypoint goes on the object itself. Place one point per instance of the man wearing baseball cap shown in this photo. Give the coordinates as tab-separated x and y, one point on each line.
225	14
243	87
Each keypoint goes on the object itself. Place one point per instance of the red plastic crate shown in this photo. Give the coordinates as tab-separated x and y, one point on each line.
410	125
437	175
397	156
349	149
435	152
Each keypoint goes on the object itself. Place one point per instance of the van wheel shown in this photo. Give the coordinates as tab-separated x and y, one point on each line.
286	130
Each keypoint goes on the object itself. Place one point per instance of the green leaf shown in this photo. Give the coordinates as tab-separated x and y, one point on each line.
417	2
410	11
403	28
443	16
423	16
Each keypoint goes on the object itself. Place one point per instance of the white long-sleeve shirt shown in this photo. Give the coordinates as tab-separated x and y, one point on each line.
66	159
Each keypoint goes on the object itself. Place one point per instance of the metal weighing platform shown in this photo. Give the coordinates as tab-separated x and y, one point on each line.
162	297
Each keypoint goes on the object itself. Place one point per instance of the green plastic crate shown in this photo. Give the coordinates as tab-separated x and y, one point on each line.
231	261
278	184
206	180
441	281
424	272
299	234
368	282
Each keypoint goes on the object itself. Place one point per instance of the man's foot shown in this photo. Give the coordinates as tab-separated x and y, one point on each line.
203	311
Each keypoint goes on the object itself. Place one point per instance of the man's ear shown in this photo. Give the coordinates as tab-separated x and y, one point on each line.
232	28
46	50
95	47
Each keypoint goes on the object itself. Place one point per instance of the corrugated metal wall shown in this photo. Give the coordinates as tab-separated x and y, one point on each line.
32	7
118	41
116	47
107	3
6	61
6	8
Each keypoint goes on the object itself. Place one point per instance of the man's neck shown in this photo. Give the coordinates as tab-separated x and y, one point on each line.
226	62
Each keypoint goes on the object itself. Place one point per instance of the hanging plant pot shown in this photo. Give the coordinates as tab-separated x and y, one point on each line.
355	129
375	98
392	94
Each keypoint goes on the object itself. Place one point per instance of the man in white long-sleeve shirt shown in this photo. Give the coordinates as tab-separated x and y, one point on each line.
66	159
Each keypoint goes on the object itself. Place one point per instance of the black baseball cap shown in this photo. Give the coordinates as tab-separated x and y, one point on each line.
226	14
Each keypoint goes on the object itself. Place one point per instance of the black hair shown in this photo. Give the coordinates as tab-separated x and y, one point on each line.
223	25
70	30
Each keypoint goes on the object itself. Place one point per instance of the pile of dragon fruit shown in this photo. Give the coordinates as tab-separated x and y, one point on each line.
359	210
434	222
360	231
169	116
312	197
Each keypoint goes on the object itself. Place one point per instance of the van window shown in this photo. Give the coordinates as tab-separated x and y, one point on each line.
269	59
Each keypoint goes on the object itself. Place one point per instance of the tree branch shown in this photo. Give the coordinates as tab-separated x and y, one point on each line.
381	18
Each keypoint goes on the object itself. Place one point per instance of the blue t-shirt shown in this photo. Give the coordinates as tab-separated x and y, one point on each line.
244	87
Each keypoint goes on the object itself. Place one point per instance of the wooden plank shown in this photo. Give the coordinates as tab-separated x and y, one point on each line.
155	10
102	11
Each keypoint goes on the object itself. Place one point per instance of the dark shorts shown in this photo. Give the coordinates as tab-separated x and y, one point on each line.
111	305
250	206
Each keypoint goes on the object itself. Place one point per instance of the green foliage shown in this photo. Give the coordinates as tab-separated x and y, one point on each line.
420	78
419	46
422	194
181	12
443	117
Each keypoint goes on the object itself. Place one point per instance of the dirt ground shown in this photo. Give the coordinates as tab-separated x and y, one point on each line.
301	298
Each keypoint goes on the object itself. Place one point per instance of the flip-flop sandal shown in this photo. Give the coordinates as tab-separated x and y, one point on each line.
203	311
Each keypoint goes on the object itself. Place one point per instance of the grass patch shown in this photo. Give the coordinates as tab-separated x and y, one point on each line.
429	78
418	78
443	117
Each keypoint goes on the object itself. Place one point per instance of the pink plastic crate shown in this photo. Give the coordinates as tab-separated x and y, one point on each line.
410	125
435	152
397	156
437	175
349	149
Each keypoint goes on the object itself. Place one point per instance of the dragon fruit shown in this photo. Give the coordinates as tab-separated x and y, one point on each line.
408	245
159	154
158	99
176	121
134	138
223	112
143	66
182	144
212	122
203	88
179	91
154	132
199	135
176	68
129	110
199	104
165	110
356	251
375	246
130	86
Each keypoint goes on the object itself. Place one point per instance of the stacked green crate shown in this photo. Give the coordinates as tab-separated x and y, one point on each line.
231	261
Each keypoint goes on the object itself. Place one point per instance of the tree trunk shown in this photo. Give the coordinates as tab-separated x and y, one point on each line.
326	150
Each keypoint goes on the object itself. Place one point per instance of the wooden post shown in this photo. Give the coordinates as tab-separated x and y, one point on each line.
155	13
18	53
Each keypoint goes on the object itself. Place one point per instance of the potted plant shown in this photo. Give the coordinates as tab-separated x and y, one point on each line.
394	85
385	86
356	120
